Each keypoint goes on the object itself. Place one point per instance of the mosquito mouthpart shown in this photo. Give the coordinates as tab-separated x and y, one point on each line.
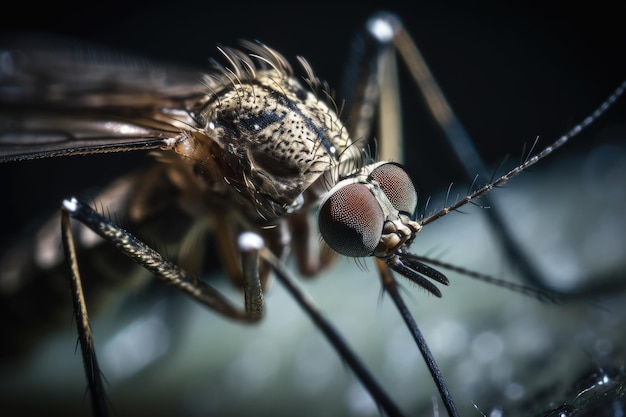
249	241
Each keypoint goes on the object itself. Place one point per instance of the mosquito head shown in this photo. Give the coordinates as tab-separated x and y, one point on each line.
372	213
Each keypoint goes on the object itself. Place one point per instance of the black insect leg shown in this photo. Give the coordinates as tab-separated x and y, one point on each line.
155	263
462	146
252	249
85	337
391	287
371	77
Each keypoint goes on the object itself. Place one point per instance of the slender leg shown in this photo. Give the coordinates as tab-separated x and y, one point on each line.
253	249
391	287
373	79
165	270
155	263
375	91
92	370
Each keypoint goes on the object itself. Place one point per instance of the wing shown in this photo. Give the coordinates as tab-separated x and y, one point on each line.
60	97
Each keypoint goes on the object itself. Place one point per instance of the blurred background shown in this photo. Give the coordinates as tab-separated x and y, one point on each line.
511	73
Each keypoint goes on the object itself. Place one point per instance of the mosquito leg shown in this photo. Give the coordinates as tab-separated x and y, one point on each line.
90	363
252	248
155	263
462	146
249	243
370	88
391	287
161	267
374	79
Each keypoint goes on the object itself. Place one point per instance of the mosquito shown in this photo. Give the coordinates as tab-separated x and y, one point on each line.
251	153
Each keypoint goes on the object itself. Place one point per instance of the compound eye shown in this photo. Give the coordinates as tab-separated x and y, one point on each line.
351	221
395	182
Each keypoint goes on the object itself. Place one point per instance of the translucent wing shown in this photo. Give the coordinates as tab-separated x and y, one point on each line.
60	97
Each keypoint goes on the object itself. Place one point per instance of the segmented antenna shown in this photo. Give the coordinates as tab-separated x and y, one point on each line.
532	159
